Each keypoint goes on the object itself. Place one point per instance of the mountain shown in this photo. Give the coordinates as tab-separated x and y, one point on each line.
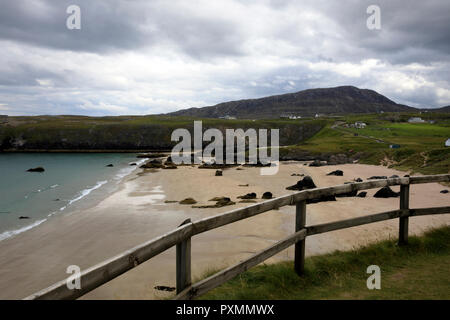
338	100
440	110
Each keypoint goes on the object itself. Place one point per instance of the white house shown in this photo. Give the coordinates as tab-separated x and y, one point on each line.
360	125
447	143
416	120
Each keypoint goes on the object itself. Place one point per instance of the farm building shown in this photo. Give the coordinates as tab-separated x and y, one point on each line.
447	143
416	120
360	125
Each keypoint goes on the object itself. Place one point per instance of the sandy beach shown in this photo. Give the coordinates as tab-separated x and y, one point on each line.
137	212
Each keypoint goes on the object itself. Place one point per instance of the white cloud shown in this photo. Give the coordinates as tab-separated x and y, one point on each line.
181	54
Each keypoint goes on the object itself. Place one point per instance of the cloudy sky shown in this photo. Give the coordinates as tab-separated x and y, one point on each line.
157	56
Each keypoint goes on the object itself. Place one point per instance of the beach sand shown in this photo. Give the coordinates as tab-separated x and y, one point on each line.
137	212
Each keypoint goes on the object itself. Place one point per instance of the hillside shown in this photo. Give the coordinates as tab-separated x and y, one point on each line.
127	133
441	110
329	101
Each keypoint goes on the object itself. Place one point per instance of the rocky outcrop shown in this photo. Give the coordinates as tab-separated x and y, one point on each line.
267	195
386	192
188	201
338	173
377	177
251	195
362	194
220	202
306	183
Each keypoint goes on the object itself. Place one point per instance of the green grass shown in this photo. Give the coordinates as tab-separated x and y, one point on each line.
419	270
421	145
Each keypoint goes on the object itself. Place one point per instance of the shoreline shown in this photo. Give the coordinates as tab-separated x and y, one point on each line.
136	212
88	203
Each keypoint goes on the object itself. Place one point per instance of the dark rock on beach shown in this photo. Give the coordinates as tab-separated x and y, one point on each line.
377	177
133	164
444	191
251	195
362	194
297	175
257	164
358	180
37	169
394	176
165	288
220	202
321	199
306	183
386	192
267	195
339	173
218	173
24	217
188	201
316	163
110	165
152	164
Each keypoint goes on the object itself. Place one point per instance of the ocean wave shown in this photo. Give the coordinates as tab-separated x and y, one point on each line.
85	192
10	233
128	170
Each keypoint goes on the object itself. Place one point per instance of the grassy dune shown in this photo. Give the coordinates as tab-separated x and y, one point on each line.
416	271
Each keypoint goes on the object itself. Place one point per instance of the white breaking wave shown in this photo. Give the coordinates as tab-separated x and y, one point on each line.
85	192
8	234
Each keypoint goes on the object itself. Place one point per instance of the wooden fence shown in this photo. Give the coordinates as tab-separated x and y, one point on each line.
181	238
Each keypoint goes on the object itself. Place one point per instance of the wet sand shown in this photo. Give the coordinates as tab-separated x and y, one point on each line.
137	212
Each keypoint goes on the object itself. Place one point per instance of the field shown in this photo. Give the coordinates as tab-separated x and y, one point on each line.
416	271
420	146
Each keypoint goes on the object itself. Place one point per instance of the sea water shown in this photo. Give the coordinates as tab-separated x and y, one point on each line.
71	181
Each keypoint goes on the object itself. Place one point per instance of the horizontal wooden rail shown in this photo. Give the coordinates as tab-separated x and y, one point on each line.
107	270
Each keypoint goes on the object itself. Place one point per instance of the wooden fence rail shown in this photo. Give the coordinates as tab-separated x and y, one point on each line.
181	238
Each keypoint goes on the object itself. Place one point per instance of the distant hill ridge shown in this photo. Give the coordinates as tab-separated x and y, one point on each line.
338	100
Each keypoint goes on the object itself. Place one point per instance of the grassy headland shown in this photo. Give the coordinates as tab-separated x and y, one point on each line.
420	145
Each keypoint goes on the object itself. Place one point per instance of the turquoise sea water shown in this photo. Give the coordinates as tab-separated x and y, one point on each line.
70	181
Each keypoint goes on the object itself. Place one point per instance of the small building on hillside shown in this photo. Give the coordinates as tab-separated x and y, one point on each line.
227	117
447	143
360	125
416	120
394	146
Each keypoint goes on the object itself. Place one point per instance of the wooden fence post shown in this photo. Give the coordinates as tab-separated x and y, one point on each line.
184	262
300	221
403	221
